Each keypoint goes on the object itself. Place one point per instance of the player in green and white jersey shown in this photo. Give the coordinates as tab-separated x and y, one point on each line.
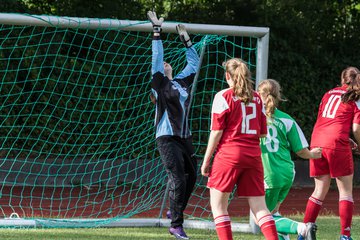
284	135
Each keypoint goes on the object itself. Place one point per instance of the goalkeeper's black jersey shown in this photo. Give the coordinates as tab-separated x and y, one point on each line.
172	96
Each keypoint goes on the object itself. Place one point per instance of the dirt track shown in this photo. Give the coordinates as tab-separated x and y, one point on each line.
94	203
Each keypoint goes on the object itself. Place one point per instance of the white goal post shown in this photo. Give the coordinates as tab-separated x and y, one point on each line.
260	33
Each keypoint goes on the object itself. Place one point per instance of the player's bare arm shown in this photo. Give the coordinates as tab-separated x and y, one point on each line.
214	139
314	153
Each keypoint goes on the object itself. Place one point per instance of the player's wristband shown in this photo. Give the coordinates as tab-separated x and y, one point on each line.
156	29
187	43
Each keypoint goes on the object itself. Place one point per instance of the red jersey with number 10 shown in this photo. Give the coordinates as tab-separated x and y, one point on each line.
242	126
334	121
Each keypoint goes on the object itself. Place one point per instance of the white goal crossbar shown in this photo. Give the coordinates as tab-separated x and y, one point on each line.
262	33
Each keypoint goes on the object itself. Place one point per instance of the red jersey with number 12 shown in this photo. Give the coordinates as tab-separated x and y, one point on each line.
242	126
334	121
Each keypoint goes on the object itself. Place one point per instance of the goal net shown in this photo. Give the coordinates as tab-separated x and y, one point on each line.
77	130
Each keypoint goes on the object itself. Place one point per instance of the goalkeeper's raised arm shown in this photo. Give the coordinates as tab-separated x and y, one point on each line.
189	72
158	66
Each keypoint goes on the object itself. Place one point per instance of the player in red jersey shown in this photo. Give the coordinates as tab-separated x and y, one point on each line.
237	122
339	114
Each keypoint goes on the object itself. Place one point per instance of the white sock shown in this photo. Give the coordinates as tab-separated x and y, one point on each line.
277	214
301	229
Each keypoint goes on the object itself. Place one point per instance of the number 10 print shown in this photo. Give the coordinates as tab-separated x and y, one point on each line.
331	106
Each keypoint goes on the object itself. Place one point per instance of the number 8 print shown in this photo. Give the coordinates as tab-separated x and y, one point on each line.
272	143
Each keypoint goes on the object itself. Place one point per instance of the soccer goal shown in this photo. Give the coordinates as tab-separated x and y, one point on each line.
77	137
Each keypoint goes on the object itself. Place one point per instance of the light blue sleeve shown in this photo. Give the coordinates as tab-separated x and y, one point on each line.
192	63
157	57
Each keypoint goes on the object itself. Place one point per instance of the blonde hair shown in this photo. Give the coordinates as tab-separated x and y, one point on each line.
270	90
351	77
241	76
348	75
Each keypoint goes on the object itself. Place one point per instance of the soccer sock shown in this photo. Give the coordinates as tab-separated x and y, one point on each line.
301	229
267	226
285	225
223	227
346	208
312	209
283	237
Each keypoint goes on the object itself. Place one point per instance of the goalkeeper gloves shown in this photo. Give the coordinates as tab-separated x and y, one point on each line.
155	21
184	36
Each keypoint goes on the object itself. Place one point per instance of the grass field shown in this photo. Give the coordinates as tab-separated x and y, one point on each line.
328	229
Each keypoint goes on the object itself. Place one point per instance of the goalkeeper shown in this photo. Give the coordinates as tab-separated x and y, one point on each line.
173	136
284	135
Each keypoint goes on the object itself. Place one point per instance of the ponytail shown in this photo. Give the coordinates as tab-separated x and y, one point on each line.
270	92
353	90
241	76
349	77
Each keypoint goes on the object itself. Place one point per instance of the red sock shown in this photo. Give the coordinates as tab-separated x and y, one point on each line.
267	226
312	209
223	227
346	208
